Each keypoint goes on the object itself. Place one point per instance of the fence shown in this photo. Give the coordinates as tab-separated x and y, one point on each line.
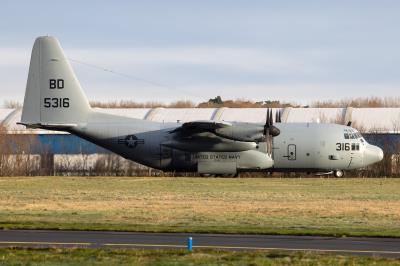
18	157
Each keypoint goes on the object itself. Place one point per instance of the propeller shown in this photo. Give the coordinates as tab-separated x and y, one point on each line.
278	118
269	128
266	125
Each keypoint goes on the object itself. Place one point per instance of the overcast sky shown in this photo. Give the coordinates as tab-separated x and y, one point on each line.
169	50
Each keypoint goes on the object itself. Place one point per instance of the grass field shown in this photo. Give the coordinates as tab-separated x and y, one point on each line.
107	257
322	206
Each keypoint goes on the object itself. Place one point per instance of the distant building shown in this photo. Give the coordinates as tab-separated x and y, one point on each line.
381	126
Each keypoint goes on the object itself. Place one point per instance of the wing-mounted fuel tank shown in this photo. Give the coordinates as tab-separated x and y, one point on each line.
214	162
199	144
232	162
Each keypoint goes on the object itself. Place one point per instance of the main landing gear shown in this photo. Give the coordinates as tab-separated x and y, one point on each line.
338	173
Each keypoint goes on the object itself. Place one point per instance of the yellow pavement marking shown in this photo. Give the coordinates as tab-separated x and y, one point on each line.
184	246
303	249
256	248
44	243
145	245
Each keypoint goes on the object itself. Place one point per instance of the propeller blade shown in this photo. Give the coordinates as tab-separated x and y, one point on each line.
279	117
266	123
270	119
269	128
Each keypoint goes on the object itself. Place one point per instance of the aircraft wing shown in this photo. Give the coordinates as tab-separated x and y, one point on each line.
204	135
247	132
195	127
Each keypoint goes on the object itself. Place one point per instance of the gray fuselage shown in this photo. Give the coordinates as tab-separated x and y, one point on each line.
299	147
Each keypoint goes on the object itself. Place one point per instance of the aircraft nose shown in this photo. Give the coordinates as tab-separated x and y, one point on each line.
372	154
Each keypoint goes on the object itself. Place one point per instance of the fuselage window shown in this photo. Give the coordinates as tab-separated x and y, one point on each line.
357	146
346	135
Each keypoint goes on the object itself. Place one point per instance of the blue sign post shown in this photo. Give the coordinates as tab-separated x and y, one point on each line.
190	244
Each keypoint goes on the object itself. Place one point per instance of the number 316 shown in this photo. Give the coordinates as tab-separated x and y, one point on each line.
342	146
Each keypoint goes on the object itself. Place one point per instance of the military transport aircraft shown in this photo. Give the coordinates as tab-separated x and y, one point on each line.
54	100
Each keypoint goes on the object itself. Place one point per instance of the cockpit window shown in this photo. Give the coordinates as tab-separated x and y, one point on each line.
352	134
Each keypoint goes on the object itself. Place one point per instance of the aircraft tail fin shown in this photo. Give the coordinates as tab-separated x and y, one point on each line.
53	96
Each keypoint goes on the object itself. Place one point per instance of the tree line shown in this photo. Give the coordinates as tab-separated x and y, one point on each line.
218	101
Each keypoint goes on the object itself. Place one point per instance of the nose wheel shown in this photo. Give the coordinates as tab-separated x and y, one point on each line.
338	173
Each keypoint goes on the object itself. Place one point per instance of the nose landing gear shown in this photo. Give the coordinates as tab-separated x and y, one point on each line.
338	173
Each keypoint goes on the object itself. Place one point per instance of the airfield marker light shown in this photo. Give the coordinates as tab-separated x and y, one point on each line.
190	244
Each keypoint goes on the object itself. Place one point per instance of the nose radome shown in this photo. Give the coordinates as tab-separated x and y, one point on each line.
373	154
380	156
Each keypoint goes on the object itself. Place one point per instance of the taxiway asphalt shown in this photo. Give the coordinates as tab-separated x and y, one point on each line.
385	247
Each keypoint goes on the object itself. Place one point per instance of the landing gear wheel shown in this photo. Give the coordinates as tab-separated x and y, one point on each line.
338	173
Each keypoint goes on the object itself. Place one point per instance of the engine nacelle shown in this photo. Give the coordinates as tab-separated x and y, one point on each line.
242	132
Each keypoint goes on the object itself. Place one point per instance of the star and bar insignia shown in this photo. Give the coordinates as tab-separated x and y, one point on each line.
131	141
